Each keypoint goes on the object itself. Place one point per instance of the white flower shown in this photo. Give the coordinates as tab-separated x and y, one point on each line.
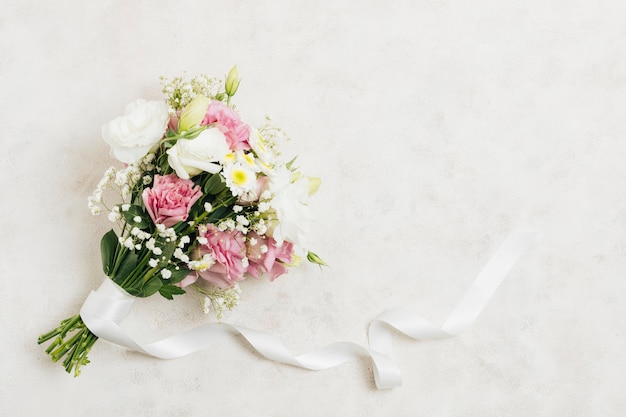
239	178
166	273
135	133
265	154
189	157
290	204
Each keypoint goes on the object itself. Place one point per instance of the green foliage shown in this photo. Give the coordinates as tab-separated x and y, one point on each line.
214	185
169	291
108	244
135	212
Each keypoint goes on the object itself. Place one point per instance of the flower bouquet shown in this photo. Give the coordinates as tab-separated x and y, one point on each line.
203	202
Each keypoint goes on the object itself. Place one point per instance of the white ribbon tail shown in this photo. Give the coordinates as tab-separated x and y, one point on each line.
105	308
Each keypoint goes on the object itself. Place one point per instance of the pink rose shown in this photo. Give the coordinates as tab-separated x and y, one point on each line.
228	249
266	258
170	199
229	122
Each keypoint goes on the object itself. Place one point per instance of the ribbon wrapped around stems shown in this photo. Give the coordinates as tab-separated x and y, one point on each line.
106	307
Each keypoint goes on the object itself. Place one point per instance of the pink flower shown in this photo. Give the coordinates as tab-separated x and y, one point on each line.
170	199
229	122
266	258
228	249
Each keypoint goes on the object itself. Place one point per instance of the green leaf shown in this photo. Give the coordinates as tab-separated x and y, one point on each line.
151	286
168	291
168	250
214	185
133	292
108	244
126	267
178	274
136	216
290	163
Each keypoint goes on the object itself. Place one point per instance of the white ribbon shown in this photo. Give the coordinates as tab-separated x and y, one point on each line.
105	308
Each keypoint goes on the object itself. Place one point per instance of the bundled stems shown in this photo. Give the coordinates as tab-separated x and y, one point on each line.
72	340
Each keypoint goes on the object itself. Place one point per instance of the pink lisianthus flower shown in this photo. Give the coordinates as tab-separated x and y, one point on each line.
170	198
228	250
266	258
228	121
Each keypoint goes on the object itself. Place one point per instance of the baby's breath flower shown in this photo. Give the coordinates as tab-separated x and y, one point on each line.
114	216
166	273
263	206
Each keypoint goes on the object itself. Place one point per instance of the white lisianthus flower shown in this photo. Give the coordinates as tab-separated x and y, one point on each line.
140	129
266	155
189	157
289	202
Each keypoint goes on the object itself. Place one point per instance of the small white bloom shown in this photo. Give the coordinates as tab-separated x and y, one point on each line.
129	243
183	241
203	240
150	244
114	216
253	241
208	207
125	207
166	273
157	251
153	262
206	305
242	220
263	248
237	208
263	206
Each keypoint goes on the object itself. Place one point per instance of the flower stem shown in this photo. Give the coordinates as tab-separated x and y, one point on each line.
72	340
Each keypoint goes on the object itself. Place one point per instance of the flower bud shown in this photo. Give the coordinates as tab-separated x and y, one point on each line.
232	82
193	114
314	185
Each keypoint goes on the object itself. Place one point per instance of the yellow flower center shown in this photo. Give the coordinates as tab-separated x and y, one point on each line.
239	177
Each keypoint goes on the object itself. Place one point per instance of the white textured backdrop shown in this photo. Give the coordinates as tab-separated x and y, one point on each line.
437	127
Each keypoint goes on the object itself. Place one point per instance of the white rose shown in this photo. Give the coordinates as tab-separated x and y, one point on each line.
189	157
134	134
